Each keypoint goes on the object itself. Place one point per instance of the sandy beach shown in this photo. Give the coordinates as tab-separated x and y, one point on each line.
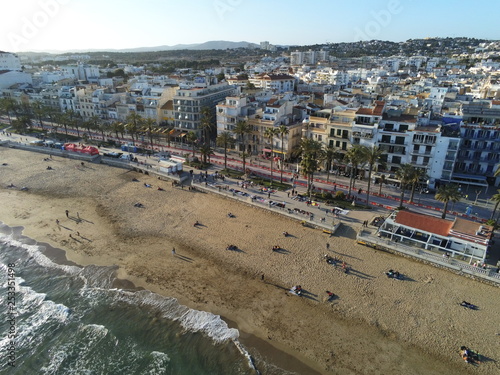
376	325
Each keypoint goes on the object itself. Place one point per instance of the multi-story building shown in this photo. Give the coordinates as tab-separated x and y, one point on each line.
479	153
278	83
9	61
188	104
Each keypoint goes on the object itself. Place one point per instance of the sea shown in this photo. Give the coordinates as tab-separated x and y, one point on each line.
61	318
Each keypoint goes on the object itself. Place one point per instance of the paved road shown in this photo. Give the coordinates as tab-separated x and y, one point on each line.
477	201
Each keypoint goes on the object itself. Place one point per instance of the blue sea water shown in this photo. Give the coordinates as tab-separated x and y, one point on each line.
69	319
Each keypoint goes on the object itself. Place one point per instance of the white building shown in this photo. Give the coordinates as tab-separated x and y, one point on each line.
9	61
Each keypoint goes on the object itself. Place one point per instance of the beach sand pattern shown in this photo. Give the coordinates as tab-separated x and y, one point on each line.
374	325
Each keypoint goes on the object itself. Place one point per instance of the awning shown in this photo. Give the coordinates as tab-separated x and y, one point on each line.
183	134
266	150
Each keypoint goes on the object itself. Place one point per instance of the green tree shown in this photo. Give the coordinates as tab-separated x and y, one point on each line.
372	157
447	193
311	156
206	124
206	150
495	198
150	125
192	138
404	174
382	180
282	130
356	155
133	124
7	107
241	130
40	111
270	133
225	140
117	127
418	174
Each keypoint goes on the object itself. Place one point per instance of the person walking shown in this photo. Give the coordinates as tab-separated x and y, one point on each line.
67	213
173	251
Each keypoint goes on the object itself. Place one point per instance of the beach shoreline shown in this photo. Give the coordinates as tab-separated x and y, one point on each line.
371	316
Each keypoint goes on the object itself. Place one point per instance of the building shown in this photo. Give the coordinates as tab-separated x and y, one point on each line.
9	61
479	153
188	104
460	238
277	83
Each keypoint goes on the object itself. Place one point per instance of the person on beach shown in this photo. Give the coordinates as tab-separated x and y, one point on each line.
67	213
173	251
57	222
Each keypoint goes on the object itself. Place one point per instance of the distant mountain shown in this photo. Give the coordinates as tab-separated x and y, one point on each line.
216	44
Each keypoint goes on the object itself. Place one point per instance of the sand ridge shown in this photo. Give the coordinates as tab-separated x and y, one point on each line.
375	325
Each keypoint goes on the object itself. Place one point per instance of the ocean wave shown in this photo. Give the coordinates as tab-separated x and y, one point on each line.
36	255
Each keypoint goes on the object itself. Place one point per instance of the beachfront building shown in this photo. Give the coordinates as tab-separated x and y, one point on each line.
479	154
463	239
189	102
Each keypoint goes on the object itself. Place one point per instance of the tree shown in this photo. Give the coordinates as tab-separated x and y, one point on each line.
150	125
418	174
220	77
495	198
383	180
7	106
331	154
404	175
192	138
311	156
447	193
282	131
40	111
270	133
117	127
372	157
206	150
225	140
356	156
133	124
242	129
206	124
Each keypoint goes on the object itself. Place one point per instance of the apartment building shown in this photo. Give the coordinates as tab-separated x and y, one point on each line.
277	83
189	102
479	153
9	61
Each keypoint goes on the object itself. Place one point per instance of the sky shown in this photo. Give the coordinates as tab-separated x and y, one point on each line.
61	25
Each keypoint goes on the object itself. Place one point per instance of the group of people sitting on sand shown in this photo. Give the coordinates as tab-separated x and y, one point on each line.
297	289
469	356
285	234
276	248
232	247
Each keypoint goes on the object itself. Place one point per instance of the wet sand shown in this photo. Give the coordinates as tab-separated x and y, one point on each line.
376	325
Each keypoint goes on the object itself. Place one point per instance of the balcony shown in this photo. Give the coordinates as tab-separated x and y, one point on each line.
420	153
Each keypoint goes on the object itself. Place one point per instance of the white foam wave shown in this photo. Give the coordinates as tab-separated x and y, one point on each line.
37	255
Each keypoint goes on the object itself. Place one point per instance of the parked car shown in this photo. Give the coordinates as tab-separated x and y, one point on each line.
115	155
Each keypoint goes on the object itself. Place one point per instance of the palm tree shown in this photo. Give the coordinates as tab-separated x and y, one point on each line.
404	174
447	193
226	140
150	125
117	127
312	155
8	105
356	156
206	124
40	111
383	180
372	157
242	129
206	150
418	174
270	133
282	130
192	138
133	124
495	198
331	154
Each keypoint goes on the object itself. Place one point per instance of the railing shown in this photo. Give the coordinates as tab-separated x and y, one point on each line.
452	264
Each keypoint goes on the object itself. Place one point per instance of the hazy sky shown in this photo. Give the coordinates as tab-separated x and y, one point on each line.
44	25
